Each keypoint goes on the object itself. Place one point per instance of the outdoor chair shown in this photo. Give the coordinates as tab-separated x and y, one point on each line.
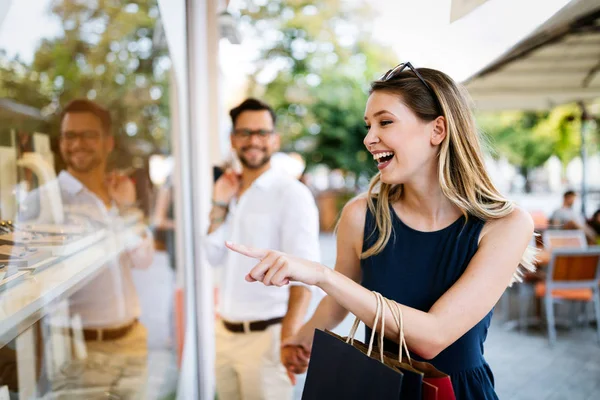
552	239
560	239
573	275
540	220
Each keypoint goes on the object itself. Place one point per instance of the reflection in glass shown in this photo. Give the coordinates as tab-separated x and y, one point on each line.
86	236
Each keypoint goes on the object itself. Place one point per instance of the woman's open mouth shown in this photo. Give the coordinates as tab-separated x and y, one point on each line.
383	159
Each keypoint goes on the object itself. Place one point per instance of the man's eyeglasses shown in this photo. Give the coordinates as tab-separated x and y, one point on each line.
71	136
401	67
247	133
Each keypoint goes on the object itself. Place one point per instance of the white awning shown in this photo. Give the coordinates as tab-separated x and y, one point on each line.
558	63
460	8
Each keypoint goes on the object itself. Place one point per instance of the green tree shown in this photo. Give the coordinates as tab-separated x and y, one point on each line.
515	136
563	124
319	59
528	139
108	52
24	86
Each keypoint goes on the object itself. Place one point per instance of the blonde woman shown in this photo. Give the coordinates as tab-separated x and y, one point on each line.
432	233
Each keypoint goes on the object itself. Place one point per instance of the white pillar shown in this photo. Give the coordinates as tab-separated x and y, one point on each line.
192	35
202	46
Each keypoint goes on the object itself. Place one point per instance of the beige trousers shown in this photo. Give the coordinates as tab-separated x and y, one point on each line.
248	365
133	345
118	366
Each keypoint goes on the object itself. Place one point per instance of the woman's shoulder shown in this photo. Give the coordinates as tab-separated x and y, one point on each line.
518	221
352	223
355	210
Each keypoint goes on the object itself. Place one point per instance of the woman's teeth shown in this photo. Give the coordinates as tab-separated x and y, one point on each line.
383	157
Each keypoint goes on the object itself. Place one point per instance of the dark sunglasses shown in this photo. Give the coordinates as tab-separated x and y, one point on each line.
401	67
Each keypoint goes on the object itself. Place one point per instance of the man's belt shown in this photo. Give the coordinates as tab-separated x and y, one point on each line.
253	326
108	334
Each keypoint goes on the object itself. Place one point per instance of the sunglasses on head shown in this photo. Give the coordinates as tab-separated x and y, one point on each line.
392	73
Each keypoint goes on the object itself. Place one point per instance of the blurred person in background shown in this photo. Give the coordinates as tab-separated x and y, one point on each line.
566	217
594	224
266	207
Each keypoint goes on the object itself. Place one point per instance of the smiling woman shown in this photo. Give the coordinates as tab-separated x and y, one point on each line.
432	233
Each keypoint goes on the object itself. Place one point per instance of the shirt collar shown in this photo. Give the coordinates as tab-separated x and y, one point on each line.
266	179
69	183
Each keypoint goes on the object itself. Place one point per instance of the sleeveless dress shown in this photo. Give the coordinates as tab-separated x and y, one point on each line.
415	269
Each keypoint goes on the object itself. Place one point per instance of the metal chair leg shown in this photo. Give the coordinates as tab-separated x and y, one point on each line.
549	303
524	302
585	318
573	312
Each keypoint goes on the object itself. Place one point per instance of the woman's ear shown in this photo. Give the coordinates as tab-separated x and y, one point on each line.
438	133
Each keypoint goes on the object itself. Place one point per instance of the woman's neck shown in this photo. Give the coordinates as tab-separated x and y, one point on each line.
425	205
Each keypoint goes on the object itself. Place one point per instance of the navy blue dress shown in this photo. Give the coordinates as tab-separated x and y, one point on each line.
415	269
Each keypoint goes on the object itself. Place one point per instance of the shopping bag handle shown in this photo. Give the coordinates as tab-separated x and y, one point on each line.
378	314
397	314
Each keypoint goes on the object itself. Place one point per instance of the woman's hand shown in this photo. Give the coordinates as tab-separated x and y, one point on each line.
277	269
300	344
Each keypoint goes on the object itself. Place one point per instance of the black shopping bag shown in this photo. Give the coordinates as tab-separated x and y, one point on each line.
412	380
432	378
337	370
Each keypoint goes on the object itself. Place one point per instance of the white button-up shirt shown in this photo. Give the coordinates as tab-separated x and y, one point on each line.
110	299
277	212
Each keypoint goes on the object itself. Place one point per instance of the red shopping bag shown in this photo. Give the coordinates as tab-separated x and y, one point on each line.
432	376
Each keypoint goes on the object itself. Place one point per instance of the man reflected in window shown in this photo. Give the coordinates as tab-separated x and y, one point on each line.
106	307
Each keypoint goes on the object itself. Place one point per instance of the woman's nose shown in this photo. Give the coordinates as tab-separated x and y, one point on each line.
371	139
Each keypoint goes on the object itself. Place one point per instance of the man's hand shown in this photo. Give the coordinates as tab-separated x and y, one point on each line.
142	255
226	187
121	189
295	361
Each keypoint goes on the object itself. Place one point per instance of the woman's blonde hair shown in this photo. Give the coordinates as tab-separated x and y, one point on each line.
462	174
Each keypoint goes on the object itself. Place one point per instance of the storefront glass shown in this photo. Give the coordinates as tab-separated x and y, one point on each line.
89	305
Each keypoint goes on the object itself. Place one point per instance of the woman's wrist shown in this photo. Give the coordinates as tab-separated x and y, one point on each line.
325	275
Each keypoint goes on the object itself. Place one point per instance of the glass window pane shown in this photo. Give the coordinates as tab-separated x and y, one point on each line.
87	245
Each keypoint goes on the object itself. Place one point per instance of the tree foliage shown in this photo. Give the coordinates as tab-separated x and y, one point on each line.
106	51
529	139
319	59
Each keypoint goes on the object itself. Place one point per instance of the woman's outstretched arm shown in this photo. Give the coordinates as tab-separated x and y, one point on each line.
501	247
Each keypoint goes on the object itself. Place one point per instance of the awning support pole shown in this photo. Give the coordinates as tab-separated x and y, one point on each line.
584	118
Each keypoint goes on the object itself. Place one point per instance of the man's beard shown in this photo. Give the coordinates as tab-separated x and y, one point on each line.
90	164
254	164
